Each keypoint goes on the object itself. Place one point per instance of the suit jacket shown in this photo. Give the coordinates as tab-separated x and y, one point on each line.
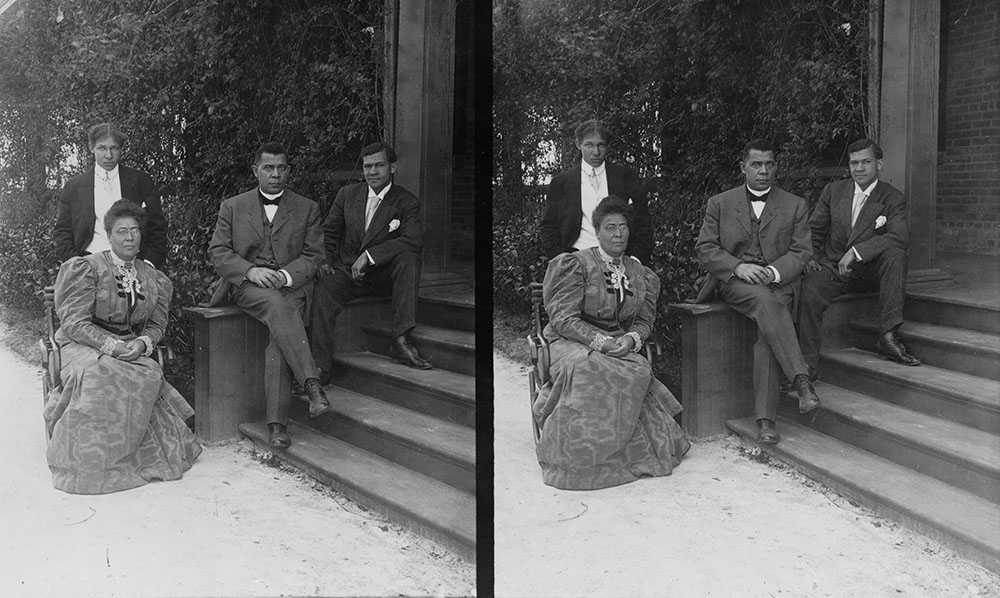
296	239
344	227
830	223
74	228
560	226
726	234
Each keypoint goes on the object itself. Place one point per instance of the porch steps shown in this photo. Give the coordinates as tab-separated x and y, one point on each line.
967	523
968	351
920	445
447	348
420	503
413	430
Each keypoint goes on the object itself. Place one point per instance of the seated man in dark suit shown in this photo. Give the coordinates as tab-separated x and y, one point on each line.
573	195
86	197
755	242
373	244
859	237
267	247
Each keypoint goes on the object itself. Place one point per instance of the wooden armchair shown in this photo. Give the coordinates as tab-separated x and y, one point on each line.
538	349
51	358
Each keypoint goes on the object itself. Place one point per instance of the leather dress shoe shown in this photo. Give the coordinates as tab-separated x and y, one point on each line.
402	351
787	386
892	348
318	405
279	436
767	432
808	399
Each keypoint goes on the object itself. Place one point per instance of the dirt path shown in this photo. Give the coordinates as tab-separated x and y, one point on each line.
233	526
723	525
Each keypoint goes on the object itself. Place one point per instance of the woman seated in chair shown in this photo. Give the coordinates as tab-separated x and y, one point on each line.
115	423
605	420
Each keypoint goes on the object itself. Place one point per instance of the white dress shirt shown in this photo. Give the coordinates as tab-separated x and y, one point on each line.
857	204
593	188
374	200
107	190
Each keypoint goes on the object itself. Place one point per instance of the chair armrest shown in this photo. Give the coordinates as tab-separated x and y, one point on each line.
538	349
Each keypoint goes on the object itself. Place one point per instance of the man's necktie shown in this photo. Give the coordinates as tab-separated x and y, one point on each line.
106	182
373	202
594	181
857	204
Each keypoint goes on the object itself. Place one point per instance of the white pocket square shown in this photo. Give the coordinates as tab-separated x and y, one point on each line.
394	224
880	222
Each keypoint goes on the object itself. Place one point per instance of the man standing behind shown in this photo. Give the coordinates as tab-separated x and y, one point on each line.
567	225
267	247
86	197
755	242
373	245
859	236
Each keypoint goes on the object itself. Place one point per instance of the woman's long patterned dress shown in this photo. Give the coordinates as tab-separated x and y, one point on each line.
605	421
114	424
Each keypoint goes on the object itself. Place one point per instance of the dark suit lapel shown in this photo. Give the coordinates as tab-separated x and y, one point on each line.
86	203
741	209
253	213
129	184
575	207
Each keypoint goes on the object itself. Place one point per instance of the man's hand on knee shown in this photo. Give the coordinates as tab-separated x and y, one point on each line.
358	269
752	274
265	277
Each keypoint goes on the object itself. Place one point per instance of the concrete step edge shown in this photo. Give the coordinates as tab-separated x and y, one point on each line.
919	501
449	338
439	511
957	339
959	444
431	435
982	392
448	385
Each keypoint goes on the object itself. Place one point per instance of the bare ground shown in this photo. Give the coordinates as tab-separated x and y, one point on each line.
729	522
237	524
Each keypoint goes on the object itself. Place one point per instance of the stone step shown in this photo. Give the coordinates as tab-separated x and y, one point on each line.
955	454
424	505
959	349
448	310
954	396
439	393
446	348
967	523
436	448
952	311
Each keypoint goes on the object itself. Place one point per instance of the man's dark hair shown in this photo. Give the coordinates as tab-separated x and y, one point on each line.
271	147
862	144
761	145
124	208
379	146
592	126
611	204
102	130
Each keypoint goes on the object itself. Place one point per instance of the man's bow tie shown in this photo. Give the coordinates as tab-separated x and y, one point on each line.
762	198
270	202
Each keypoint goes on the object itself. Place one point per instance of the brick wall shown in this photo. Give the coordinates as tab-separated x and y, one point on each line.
968	184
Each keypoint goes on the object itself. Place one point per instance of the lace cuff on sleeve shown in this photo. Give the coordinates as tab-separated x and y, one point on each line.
149	345
598	342
638	341
109	345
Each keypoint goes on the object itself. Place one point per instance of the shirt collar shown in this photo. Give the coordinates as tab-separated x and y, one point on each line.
867	191
380	194
101	173
269	195
758	193
589	170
